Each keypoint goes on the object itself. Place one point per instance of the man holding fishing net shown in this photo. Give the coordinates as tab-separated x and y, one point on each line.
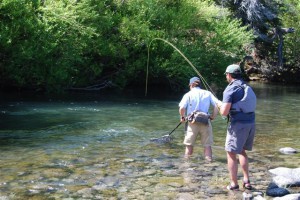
194	107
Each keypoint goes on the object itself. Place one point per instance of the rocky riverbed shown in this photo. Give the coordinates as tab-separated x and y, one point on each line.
165	177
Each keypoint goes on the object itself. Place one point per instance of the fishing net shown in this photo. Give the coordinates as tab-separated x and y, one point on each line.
165	138
162	140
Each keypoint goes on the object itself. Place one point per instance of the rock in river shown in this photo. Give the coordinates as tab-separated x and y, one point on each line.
288	150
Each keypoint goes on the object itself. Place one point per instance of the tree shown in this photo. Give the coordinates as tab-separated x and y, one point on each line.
265	18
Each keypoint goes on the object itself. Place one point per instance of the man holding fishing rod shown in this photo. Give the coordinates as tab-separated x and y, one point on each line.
239	102
193	102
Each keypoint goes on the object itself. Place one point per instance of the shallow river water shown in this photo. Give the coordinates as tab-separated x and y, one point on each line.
89	146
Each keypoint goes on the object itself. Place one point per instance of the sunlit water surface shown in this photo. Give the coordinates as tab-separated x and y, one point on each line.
60	146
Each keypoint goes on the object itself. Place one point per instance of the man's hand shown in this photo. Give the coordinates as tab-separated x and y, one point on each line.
182	119
219	104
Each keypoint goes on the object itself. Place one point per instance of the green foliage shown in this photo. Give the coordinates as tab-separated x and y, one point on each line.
290	18
52	45
210	42
23	57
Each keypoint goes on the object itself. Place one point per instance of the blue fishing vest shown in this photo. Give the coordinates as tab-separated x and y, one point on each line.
244	109
248	103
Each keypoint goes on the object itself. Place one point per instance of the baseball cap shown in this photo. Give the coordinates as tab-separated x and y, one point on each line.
233	69
194	79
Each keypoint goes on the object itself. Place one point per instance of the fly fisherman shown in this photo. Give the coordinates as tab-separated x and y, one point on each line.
198	99
239	102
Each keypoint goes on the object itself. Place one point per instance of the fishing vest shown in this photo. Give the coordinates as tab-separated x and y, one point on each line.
247	104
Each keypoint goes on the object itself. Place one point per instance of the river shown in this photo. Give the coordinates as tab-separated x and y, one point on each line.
88	146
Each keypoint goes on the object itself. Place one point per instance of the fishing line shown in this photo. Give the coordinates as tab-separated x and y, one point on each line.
193	67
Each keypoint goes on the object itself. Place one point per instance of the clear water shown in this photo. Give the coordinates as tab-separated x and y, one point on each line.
54	147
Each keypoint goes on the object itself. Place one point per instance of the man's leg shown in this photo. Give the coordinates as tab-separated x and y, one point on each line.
232	168
188	150
243	158
208	153
207	140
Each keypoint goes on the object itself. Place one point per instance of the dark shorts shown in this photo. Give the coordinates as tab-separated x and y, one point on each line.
240	136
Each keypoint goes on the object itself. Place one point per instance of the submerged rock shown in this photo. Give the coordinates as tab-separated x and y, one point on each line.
288	150
277	192
184	196
274	191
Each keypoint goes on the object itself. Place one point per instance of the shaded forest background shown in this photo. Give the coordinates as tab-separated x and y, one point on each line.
59	45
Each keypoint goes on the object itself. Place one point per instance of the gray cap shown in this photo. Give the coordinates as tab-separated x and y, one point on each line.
233	69
194	79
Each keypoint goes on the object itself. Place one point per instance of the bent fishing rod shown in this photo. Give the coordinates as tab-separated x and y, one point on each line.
188	61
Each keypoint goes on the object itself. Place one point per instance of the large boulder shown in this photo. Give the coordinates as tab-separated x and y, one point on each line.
284	177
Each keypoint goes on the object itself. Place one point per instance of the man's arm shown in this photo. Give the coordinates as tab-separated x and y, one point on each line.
224	108
182	114
215	112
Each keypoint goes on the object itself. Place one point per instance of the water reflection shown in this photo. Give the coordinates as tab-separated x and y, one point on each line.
100	147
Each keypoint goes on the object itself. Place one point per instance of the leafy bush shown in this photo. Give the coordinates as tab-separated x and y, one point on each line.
54	45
